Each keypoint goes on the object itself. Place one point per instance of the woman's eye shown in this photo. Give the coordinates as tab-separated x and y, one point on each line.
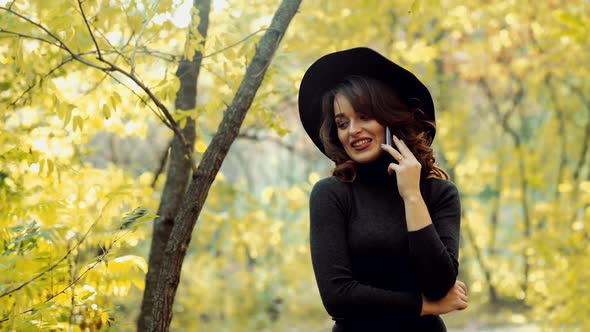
341	125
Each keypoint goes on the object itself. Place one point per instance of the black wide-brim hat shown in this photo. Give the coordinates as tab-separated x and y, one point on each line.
332	69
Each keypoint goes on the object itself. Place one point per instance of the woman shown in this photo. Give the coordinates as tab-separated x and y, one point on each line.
384	229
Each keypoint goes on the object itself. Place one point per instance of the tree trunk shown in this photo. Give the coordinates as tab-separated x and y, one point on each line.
178	173
185	221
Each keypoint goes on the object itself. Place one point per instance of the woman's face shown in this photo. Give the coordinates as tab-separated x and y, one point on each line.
360	135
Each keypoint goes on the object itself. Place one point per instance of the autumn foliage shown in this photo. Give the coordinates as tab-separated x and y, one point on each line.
84	147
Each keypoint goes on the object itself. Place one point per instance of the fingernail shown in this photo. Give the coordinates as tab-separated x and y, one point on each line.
382	145
395	137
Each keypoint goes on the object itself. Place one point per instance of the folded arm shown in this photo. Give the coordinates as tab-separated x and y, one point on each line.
341	294
433	238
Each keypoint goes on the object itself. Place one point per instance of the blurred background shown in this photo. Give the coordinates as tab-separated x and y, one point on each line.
82	158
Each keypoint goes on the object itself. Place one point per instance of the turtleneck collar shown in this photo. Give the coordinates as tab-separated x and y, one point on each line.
376	171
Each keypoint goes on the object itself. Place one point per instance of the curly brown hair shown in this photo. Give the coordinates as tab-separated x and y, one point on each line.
377	100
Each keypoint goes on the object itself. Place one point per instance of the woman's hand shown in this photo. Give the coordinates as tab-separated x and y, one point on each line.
407	170
456	299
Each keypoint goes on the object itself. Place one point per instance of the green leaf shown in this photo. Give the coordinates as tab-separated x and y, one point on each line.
44	305
5	86
86	296
17	228
415	7
106	112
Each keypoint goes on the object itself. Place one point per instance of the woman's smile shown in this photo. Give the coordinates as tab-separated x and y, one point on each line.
360	135
361	144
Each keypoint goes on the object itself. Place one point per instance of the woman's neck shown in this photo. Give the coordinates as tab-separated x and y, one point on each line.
375	170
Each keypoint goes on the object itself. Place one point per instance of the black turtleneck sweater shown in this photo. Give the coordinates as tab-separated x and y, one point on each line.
371	272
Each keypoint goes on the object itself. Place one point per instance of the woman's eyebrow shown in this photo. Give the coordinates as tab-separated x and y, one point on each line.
339	115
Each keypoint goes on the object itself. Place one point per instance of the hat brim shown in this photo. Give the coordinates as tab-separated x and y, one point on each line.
332	69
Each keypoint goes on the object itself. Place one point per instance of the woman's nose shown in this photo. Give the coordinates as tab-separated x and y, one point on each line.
354	129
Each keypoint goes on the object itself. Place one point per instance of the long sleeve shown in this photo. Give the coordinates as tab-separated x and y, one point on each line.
434	250
341	294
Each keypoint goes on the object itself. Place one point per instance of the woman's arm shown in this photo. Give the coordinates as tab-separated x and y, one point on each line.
341	293
456	299
433	234
434	238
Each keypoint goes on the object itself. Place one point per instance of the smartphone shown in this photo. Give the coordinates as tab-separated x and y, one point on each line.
388	137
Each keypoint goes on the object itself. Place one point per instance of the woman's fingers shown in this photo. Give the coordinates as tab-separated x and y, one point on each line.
462	285
392	168
403	148
461	289
396	154
463	306
462	300
463	297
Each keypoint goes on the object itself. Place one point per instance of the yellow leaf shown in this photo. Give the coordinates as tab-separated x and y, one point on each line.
104	318
50	167
200	147
219	177
77	122
267	194
565	187
313	178
67	116
106	112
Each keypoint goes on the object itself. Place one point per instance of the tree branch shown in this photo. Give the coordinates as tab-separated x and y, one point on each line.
586	141
134	52
59	44
18	34
40	82
163	160
55	265
173	57
89	29
562	138
158	115
257	138
112	67
179	169
171	122
73	281
527	232
193	201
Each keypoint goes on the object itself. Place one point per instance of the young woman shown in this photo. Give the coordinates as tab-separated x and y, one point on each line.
384	229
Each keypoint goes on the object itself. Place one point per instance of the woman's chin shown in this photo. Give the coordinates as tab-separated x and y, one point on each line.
366	157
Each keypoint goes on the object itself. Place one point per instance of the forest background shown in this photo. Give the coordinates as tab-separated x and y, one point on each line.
98	114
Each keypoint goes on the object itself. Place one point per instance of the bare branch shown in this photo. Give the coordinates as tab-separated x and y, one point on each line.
173	124
35	83
258	138
163	160
28	37
173	57
38	25
496	109
160	54
586	141
59	44
113	67
45	76
89	29
164	121
134	53
236	43
562	141
113	48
